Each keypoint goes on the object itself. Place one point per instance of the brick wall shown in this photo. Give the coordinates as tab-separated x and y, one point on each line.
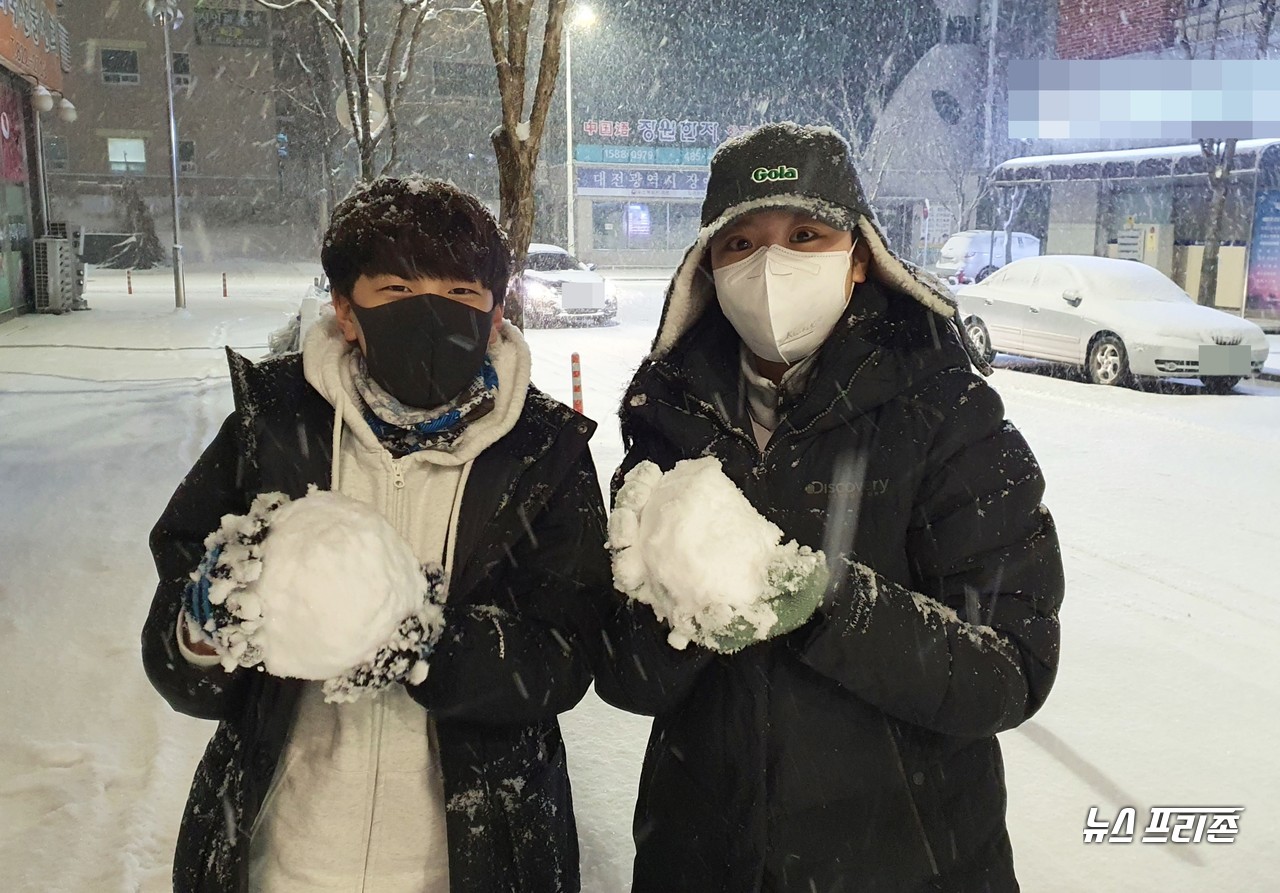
1105	29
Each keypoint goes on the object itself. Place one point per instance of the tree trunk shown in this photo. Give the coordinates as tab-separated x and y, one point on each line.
1218	178
515	191
1015	205
1267	8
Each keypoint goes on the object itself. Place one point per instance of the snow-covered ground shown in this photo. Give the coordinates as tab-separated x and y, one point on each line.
1166	504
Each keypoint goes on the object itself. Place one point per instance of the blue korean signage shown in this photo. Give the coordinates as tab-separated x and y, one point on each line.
675	156
639	181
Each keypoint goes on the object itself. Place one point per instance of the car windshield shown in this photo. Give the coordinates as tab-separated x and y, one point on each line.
551	262
1141	288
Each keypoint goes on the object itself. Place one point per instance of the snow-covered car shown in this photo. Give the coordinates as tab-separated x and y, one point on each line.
559	289
1114	318
974	254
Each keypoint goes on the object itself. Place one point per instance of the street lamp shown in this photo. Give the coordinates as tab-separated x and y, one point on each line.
42	101
585	17
166	12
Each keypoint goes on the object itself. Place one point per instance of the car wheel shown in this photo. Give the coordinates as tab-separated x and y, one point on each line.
1108	362
1220	384
977	332
984	273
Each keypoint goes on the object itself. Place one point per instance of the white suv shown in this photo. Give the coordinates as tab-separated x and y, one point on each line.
974	254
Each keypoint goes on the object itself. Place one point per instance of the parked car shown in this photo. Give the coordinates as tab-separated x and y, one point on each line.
1115	318
559	289
974	254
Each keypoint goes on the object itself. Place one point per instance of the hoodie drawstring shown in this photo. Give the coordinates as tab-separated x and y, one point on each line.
336	446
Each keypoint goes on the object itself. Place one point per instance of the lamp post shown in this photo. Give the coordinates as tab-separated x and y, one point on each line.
584	16
42	101
166	12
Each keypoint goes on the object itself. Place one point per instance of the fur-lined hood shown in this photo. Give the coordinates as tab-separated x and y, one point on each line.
828	189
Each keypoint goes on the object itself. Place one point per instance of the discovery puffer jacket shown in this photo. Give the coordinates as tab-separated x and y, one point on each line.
858	753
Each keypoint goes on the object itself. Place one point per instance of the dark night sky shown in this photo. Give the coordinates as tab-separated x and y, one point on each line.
719	60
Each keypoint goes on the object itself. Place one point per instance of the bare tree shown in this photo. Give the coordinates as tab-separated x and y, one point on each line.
1266	18
1221	154
363	31
518	139
853	105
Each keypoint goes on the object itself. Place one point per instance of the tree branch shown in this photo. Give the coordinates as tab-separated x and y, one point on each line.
512	94
548	71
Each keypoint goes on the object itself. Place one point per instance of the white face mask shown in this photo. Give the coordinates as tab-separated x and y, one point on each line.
785	303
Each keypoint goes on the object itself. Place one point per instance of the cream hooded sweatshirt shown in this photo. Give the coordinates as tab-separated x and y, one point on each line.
357	802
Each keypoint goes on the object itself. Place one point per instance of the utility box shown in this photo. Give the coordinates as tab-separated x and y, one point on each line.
55	275
1151	243
75	235
1157	247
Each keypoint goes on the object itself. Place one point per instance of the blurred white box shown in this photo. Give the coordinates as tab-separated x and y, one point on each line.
582	296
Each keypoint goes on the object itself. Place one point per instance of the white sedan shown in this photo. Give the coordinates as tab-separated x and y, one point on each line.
1114	318
560	289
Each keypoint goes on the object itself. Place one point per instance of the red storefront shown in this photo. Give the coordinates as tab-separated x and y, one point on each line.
34	53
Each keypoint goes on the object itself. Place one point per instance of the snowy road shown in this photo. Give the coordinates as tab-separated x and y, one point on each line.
1166	506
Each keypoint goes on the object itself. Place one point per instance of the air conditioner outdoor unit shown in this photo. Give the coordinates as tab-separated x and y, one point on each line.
60	229
55	275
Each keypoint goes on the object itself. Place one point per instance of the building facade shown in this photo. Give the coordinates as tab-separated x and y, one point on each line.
34	63
224	106
1094	203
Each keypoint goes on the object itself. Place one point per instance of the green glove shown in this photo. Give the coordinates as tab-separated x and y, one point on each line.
799	591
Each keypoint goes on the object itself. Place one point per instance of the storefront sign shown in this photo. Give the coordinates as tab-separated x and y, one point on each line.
13	156
636	182
32	40
664	131
244	28
1262	291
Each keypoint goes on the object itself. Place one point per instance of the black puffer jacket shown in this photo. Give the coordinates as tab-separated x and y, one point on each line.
529	554
857	753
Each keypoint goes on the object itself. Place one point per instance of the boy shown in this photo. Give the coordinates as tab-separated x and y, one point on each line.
415	399
851	745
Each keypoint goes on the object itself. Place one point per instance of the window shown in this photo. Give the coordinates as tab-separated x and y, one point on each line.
551	262
186	156
120	67
55	153
181	70
126	156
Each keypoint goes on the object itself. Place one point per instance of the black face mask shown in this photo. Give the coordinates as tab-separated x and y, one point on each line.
425	349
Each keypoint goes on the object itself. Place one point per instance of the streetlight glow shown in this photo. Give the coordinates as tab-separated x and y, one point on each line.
583	16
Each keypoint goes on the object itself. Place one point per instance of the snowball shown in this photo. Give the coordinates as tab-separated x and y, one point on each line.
337	580
700	536
689	544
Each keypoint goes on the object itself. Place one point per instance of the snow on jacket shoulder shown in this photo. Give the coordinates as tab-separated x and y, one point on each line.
529	560
857	752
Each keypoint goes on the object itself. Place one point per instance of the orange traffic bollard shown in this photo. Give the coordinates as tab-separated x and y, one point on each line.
128	280
577	384
224	285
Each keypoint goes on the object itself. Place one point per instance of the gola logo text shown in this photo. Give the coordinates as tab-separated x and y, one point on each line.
781	172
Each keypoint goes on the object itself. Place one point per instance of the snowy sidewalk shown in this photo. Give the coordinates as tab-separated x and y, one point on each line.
1170	624
140	336
1271	366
